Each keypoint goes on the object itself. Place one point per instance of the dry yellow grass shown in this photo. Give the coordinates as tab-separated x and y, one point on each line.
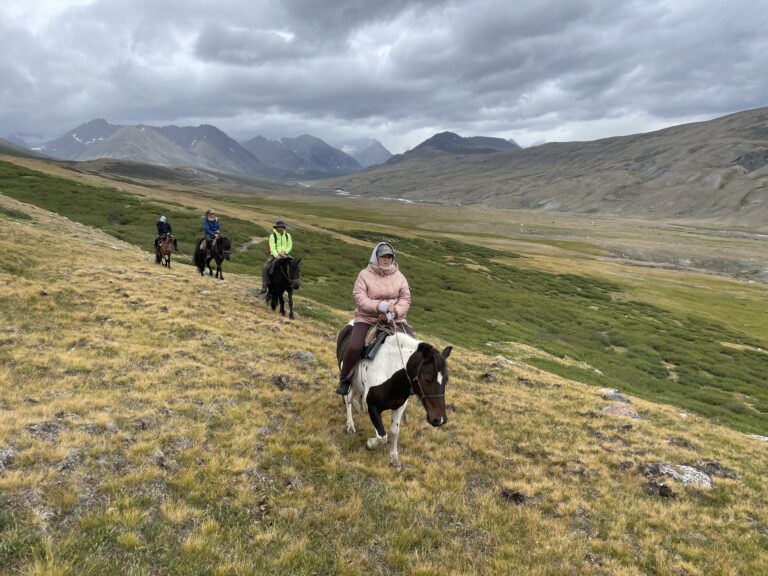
159	425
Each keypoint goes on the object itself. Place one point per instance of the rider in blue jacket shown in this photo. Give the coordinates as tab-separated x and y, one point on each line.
212	230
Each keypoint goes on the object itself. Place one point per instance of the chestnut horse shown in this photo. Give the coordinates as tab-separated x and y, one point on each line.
164	250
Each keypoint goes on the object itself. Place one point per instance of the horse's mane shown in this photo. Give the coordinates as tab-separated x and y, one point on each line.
428	352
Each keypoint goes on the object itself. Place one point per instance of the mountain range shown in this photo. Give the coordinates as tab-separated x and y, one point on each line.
204	147
714	169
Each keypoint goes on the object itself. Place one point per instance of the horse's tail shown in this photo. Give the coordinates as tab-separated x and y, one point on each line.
198	257
157	257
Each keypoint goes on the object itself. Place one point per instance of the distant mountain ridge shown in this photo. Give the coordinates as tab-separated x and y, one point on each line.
715	169
303	157
205	147
367	151
452	143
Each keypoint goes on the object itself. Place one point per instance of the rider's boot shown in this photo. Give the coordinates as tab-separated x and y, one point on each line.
344	385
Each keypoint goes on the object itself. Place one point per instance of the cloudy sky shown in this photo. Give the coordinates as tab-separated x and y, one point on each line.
395	70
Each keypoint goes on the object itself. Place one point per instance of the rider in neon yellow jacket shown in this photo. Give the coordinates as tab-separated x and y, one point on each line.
280	246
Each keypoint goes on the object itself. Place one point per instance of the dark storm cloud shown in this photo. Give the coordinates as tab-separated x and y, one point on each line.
396	70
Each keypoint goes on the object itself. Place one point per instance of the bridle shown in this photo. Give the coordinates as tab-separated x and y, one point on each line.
287	275
414	381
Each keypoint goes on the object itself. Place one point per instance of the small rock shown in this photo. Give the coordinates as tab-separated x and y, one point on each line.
683	443
303	357
714	468
616	396
693	477
621	409
488	377
6	457
293	483
281	381
527	383
758	437
514	496
655	488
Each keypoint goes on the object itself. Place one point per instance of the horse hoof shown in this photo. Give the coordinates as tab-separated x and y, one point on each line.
351	429
396	465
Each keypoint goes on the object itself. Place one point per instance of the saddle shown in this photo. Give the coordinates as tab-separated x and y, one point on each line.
374	339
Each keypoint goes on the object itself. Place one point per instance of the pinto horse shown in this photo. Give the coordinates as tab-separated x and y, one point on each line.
402	367
220	251
284	275
164	249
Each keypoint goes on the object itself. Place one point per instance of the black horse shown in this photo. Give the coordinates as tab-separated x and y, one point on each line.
284	275
220	251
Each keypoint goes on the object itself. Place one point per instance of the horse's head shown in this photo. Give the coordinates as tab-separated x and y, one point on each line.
168	242
428	371
225	245
294	273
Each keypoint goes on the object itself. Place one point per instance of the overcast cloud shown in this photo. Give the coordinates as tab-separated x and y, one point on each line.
395	70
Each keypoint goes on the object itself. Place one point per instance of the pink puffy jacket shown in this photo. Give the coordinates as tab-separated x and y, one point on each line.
374	285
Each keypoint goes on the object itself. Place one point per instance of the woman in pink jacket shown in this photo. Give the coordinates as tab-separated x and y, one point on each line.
381	295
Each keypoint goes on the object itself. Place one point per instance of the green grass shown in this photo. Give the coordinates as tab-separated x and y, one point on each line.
463	295
124	215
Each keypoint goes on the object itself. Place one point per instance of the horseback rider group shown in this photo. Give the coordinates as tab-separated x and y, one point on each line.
381	291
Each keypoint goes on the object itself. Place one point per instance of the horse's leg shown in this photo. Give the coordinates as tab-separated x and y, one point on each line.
394	457
290	303
282	304
219	269
381	434
208	263
348	405
273	300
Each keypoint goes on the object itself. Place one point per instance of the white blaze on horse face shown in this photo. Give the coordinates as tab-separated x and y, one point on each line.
440	378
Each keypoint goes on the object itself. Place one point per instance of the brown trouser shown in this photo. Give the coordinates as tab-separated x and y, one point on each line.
357	343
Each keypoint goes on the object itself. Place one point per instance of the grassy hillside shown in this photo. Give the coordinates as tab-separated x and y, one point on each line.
664	342
157	422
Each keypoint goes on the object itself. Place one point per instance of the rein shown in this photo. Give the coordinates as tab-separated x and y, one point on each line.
288	275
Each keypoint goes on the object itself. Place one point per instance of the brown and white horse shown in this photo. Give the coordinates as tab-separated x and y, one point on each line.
402	367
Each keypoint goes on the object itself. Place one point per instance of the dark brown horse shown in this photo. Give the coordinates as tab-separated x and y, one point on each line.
164	250
221	249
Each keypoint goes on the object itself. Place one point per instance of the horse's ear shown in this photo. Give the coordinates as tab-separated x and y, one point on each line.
298	261
447	352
